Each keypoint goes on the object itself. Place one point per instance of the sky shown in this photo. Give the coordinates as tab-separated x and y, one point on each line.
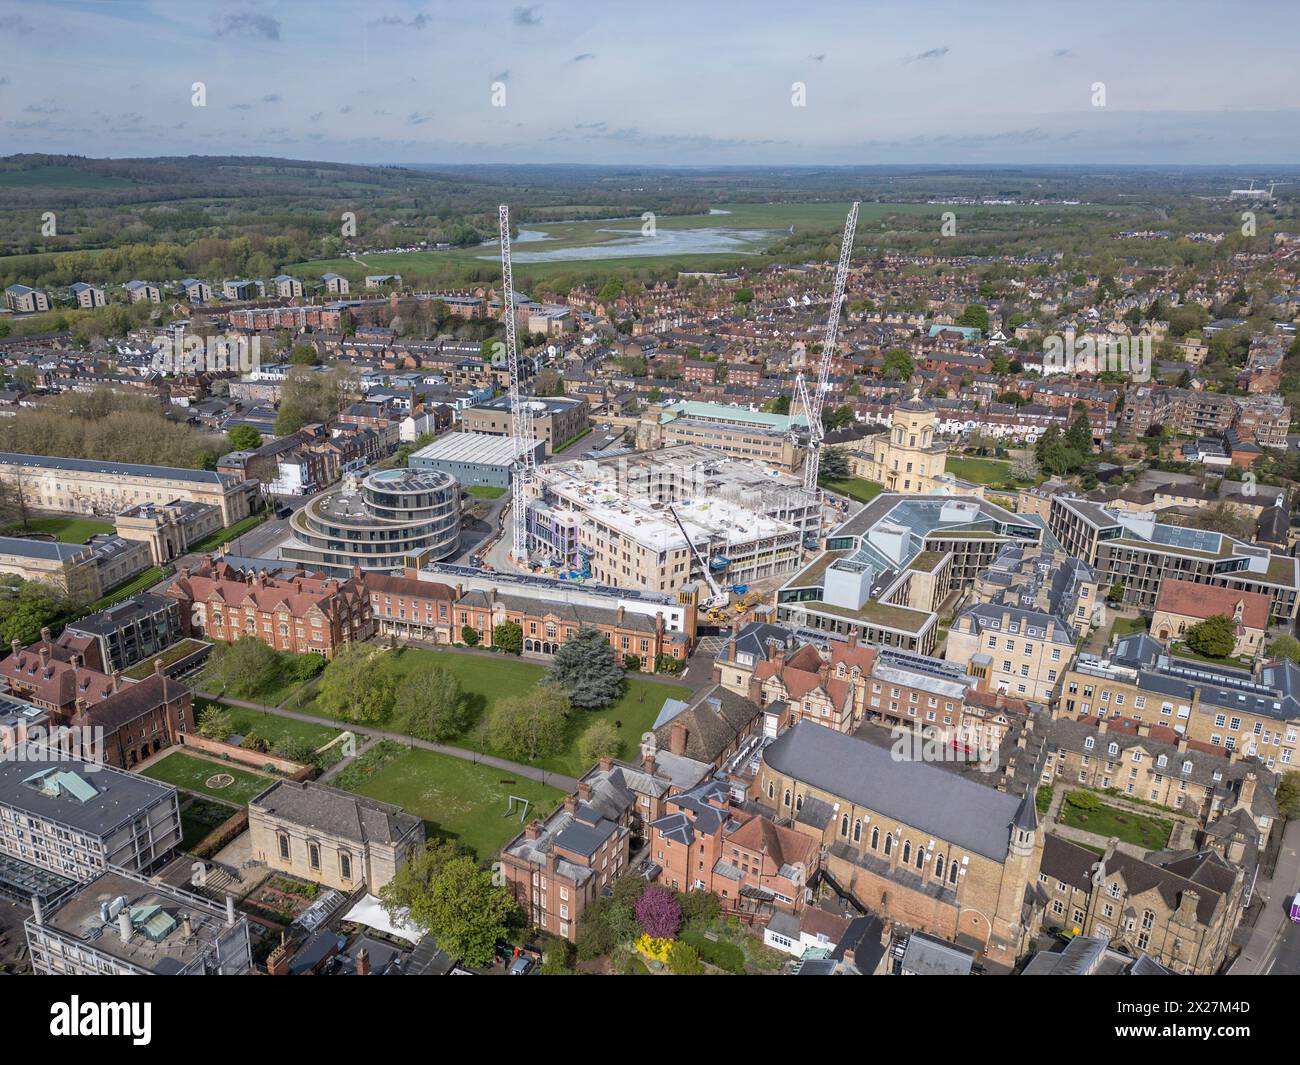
674	82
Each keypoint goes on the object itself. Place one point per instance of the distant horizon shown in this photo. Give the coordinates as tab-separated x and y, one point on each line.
505	82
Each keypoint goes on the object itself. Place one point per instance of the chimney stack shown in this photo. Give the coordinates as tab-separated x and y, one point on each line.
187	926
363	962
124	924
158	666
606	764
570	804
584	791
230	911
533	830
677	740
16	647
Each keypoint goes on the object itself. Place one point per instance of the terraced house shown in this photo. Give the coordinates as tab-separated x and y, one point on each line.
1253	713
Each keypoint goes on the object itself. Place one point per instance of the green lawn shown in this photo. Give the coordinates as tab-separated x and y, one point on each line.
135	585
1124	626
487	678
485	491
191	772
1106	821
227	535
458	799
66	530
855	488
982	471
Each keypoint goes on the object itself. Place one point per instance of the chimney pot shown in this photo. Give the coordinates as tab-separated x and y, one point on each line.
363	962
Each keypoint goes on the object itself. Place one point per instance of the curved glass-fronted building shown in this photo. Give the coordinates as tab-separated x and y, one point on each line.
378	522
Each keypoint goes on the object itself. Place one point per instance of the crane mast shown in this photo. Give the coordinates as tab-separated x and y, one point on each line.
812	404
521	412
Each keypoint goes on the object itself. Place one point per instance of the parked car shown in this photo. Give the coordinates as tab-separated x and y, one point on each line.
522	966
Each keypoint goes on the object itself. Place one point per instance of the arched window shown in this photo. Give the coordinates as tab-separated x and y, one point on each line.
907	852
875	838
798	802
857	831
771	790
938	867
284	845
787	796
952	872
889	844
844	825
920	856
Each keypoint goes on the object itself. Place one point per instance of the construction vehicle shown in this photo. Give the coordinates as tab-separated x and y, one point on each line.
719	597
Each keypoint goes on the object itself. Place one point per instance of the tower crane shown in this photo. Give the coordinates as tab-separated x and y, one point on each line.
521	411
811	403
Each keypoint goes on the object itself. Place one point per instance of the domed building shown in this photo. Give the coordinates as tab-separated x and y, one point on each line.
377	521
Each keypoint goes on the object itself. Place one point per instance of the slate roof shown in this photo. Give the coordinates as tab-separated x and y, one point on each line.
925	797
714	719
336	813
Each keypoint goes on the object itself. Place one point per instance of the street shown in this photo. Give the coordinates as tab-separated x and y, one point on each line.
1274	944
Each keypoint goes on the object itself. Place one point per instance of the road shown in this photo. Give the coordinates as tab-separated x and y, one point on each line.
1274	945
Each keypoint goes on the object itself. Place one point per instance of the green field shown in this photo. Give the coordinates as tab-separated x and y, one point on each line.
457	799
60	177
777	217
191	772
271	727
1151	833
858	488
485	491
487	678
65	530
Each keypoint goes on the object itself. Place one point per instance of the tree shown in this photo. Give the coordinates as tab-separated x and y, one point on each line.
1287	647
834	464
530	726
244	438
1116	592
744	295
469	635
1288	794
303	355
508	636
448	896
244	668
599	741
431	704
975	316
294	748
632	663
26	607
898	365
1024	468
658	913
1215	637
355	685
585	667
684	960
215	723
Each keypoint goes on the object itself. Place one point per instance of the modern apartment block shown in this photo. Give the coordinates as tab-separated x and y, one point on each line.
128	632
120	924
887	570
556	420
1137	552
62	820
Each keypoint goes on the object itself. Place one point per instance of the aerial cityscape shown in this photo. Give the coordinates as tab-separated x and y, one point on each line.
483	495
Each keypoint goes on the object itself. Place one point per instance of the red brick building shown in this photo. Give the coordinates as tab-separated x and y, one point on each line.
301	614
125	720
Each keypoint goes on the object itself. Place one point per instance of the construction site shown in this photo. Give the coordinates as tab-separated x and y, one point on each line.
657	520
